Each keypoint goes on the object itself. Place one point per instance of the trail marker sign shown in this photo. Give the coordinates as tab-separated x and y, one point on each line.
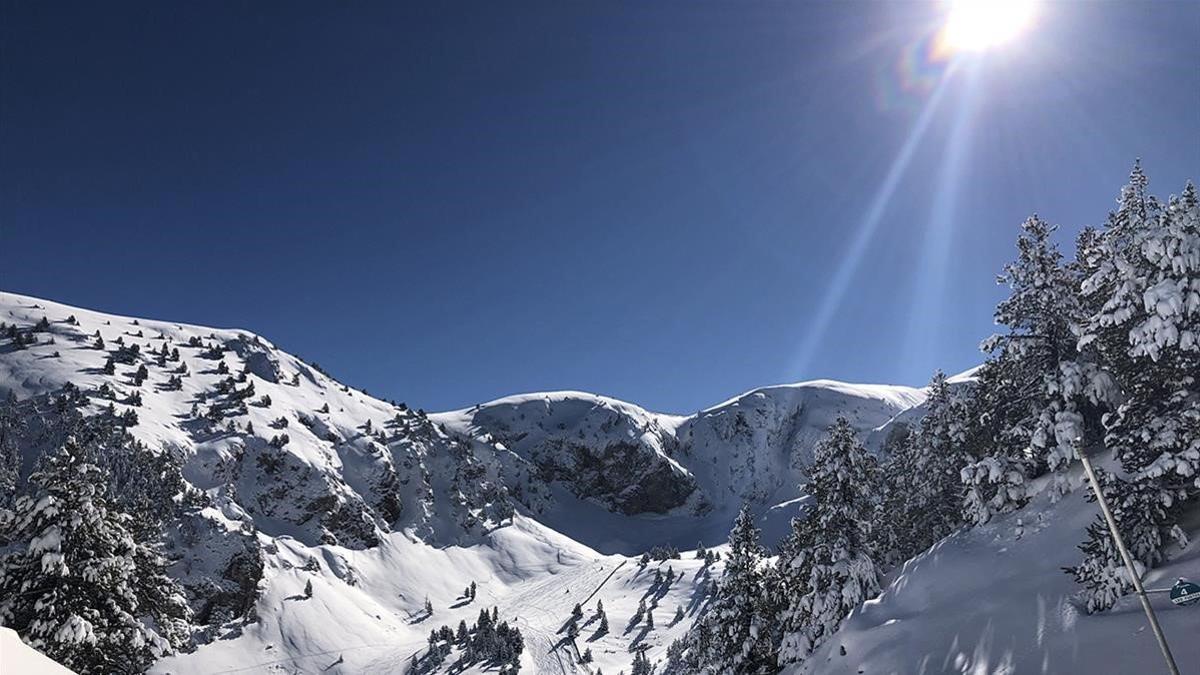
1185	593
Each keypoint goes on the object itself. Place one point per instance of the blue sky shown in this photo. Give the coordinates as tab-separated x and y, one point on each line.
664	202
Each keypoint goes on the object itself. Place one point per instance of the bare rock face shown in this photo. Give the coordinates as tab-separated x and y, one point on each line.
755	447
626	477
601	450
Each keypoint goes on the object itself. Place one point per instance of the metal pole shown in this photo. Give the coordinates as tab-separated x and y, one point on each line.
1133	575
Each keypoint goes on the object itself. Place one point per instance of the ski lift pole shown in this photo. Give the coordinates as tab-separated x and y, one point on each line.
1128	560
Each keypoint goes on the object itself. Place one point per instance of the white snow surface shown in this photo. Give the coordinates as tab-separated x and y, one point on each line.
995	600
988	600
19	658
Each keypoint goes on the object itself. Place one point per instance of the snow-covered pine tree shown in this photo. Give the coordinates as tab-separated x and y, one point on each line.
890	544
1033	398
829	555
1138	514
1145	289
737	634
641	664
923	475
995	480
82	590
11	425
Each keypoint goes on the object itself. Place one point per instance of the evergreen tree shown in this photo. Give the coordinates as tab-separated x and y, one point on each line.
641	664
12	424
738	632
924	475
829	558
1144	288
1036	392
83	591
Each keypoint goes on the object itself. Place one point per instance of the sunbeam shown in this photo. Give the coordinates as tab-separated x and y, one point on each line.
926	314
815	329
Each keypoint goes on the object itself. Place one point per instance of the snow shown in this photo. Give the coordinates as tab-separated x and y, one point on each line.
992	599
753	447
16	657
532	574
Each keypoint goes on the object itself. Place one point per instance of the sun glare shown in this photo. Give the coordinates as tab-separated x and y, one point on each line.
976	25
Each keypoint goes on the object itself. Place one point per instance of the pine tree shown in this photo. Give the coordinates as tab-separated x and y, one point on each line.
80	591
924	475
12	424
828	559
641	664
1001	460
1144	290
738	632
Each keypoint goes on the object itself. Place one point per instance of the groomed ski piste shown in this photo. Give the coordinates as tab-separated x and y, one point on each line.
531	574
987	600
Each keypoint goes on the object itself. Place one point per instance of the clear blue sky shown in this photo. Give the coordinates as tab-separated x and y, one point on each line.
664	202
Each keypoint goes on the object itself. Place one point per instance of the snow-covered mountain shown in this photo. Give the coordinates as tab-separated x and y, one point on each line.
324	522
300	477
683	477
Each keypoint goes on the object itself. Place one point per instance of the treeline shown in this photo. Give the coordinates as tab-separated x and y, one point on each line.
1098	353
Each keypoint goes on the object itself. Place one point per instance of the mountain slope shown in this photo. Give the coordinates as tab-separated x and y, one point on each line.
994	599
295	478
682	477
542	500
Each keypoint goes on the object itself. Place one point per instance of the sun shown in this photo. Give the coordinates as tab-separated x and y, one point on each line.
978	25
